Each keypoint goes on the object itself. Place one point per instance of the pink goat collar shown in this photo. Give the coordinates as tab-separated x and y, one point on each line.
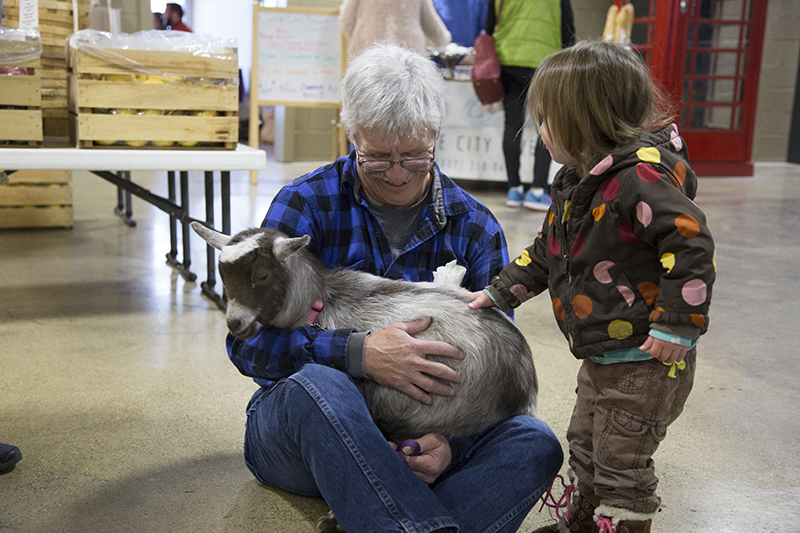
312	315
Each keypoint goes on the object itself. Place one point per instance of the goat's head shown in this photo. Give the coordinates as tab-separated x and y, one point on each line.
252	266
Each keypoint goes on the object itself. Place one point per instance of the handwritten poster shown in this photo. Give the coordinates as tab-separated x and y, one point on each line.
299	57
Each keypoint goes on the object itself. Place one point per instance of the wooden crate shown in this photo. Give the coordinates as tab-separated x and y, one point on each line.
36	199
21	106
113	106
56	22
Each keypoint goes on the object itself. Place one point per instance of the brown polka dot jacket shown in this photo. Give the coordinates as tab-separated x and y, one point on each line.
621	250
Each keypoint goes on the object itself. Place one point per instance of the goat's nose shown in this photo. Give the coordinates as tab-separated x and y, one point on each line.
235	325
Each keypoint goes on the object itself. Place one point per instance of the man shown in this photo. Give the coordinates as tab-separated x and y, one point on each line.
386	209
174	18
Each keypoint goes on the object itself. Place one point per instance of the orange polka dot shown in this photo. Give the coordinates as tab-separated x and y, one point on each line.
687	226
680	172
655	314
550	218
598	212
558	309
582	306
697	320
649	291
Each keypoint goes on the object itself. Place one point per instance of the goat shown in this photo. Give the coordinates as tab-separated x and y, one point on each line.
272	279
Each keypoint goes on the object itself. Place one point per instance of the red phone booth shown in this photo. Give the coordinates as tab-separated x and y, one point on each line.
707	54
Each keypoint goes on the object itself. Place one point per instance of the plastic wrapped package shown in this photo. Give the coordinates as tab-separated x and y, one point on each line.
139	89
19	46
129	50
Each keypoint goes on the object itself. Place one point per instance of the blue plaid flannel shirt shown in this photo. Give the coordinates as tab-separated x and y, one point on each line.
327	205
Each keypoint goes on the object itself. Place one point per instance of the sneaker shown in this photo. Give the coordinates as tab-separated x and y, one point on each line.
9	457
537	202
514	198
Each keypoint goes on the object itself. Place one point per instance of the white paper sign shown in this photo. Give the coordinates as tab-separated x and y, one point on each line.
470	145
299	57
29	13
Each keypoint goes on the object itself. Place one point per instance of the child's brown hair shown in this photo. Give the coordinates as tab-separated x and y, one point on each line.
594	98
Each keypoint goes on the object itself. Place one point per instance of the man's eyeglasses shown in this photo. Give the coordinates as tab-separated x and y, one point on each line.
382	165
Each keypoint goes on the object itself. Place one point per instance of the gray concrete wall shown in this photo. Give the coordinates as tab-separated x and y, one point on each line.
778	85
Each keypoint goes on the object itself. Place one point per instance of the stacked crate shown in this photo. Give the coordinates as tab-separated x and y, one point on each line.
20	91
56	23
36	199
176	98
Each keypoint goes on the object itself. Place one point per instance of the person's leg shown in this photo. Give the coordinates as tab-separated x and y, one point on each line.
541	165
538	196
312	435
639	401
578	516
502	476
515	81
580	434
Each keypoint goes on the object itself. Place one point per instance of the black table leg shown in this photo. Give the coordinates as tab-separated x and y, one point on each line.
208	286
124	208
183	267
225	185
172	256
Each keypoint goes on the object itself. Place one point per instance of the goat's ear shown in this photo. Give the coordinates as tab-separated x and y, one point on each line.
284	246
214	238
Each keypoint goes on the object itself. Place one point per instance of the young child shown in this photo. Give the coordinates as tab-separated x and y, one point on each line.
629	263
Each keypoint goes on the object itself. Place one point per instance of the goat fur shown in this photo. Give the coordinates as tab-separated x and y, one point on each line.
272	279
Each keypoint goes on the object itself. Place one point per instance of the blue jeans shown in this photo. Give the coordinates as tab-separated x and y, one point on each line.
312	435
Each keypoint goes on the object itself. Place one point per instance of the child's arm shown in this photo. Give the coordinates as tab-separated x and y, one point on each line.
480	299
520	280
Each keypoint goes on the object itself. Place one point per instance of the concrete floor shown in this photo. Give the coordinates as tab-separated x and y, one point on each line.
115	385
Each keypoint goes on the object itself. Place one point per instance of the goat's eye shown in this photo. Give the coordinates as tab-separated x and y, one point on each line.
261	278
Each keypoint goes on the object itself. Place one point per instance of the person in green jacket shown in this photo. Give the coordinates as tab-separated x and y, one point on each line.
525	32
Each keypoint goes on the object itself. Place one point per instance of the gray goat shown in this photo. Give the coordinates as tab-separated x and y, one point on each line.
272	279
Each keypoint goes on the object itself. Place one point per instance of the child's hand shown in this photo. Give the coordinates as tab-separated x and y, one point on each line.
479	299
664	351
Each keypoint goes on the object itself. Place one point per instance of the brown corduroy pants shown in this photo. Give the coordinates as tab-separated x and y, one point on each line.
621	416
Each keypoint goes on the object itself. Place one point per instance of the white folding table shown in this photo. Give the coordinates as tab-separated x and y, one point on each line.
106	162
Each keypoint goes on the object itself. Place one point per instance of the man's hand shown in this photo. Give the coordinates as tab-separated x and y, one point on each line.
664	351
393	357
433	457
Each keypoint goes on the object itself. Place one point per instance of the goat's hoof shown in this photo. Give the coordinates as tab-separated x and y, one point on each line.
328	524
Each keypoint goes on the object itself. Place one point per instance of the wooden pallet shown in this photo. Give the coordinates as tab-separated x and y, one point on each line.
37	199
114	106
